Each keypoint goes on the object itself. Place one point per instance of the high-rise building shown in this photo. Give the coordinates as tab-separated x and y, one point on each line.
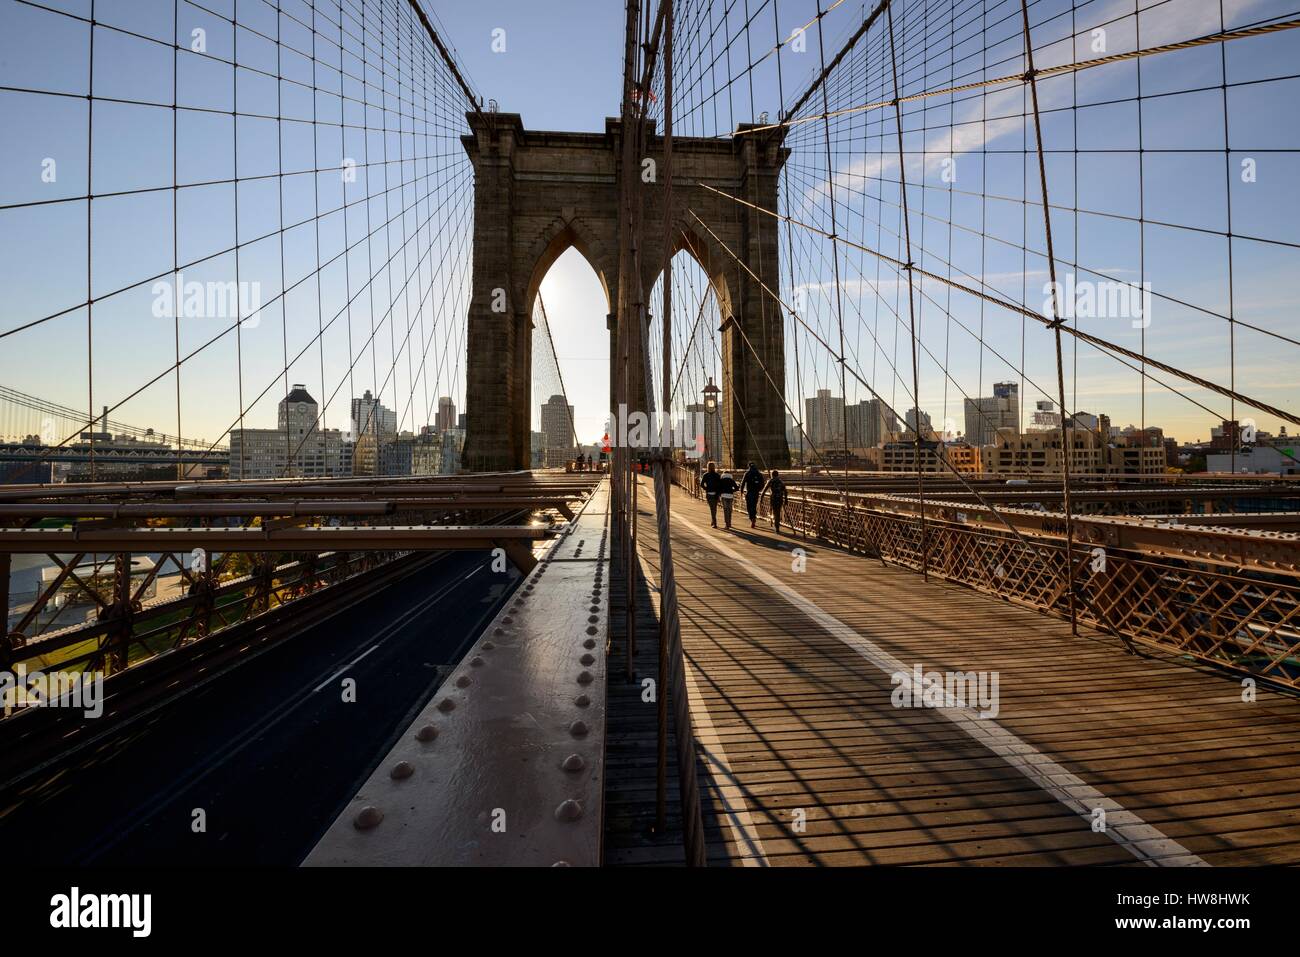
987	414
557	426
370	417
446	418
869	422
824	420
915	415
297	447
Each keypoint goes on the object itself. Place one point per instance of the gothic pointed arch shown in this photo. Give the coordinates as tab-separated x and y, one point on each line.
536	193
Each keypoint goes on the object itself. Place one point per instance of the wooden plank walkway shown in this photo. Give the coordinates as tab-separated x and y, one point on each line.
805	760
631	739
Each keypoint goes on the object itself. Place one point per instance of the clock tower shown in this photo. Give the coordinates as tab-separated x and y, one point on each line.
298	412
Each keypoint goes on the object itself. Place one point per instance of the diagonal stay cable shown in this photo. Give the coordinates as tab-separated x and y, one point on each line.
1077	66
1103	344
942	459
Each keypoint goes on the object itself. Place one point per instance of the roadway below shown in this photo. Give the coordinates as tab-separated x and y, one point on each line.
266	753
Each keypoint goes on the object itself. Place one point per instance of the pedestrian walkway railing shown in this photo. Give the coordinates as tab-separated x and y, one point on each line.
1245	619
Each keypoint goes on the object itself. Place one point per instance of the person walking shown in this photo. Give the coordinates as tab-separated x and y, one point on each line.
727	489
752	483
776	489
710	482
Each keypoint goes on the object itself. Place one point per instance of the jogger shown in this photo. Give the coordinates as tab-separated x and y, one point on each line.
710	481
776	488
727	489
753	485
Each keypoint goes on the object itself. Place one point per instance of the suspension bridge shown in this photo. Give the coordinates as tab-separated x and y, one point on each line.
357	627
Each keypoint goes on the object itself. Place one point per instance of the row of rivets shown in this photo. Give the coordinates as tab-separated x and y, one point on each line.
569	810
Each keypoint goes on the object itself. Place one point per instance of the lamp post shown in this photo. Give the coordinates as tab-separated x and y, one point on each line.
711	397
710	408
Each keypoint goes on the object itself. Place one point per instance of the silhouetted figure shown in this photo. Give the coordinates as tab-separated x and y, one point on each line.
711	481
727	489
776	489
752	483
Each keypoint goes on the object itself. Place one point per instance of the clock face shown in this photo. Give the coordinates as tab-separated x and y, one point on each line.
302	408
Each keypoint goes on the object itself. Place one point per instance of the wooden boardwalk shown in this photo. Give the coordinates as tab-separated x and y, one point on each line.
631	739
804	759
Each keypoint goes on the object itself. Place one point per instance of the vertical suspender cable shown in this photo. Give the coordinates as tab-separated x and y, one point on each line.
835	253
1066	442
663	489
911	297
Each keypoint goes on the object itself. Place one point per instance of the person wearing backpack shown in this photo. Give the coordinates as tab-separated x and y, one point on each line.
727	489
710	482
776	491
752	483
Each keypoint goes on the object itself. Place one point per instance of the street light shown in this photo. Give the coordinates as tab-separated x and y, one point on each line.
710	409
711	397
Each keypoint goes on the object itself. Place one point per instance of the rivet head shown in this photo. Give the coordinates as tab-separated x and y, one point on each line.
476	662
569	810
561	864
574	762
582	701
489	645
446	704
591	629
401	770
464	681
578	729
587	659
585	678
367	818
589	643
427	733
593	618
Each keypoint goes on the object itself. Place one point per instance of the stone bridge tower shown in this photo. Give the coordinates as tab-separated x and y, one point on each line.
537	193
